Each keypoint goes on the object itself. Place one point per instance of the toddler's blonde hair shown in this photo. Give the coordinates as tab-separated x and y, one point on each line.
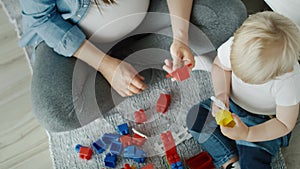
267	45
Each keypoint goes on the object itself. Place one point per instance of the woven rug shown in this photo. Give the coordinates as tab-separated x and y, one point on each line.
183	96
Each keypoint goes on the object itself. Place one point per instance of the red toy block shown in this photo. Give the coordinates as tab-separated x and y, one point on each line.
140	116
138	140
180	74
168	141
170	147
149	166
85	153
163	103
200	161
126	140
127	166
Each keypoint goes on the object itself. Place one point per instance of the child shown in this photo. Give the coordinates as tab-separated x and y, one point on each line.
257	76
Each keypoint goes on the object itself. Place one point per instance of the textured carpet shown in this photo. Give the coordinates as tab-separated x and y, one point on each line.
183	95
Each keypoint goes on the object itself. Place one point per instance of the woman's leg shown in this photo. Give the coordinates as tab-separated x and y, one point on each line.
204	129
62	95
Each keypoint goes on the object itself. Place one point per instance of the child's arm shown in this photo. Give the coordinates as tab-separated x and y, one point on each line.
221	77
284	122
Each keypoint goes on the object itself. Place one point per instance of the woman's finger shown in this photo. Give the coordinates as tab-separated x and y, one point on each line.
134	89
138	83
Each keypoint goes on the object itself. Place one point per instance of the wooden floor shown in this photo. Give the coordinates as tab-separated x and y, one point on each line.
23	143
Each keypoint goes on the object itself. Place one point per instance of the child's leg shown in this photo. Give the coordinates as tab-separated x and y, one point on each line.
253	157
204	129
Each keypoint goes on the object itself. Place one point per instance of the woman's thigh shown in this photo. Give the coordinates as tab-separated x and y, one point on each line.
63	91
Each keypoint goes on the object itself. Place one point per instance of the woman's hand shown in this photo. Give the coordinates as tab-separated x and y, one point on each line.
181	54
238	132
122	76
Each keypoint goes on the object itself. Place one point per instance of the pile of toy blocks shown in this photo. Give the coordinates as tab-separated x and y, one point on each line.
118	144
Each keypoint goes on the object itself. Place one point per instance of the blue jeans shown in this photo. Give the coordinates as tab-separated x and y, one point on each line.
203	127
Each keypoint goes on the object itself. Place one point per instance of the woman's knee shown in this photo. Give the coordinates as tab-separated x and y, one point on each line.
51	90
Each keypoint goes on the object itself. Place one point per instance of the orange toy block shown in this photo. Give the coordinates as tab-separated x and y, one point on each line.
224	118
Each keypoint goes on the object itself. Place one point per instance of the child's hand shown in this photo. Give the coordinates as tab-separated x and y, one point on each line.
238	132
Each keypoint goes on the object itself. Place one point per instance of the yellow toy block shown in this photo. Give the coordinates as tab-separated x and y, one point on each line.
224	118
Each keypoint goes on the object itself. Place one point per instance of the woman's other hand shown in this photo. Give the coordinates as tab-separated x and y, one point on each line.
182	55
122	76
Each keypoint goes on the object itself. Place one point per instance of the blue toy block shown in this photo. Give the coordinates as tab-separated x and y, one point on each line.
129	151
177	165
116	147
110	160
99	146
108	138
139	156
77	148
123	129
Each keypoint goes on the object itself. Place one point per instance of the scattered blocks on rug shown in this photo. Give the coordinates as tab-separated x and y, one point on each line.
140	116
99	146
200	161
224	118
123	129
116	148
163	103
110	160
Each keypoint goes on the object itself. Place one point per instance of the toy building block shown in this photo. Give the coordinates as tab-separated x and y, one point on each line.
77	148
99	146
110	160
133	166
173	158
108	138
224	118
127	166
177	165
140	116
138	140
123	129
129	151
149	166
180	74
116	148
168	141
126	140
139	156
134	153
84	152
163	102
170	147
200	161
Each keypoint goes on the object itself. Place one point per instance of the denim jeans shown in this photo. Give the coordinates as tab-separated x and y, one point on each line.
204	129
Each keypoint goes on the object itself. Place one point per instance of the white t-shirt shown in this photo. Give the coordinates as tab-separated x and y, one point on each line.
114	21
288	8
262	98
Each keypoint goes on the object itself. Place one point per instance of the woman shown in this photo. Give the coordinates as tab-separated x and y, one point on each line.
59	29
